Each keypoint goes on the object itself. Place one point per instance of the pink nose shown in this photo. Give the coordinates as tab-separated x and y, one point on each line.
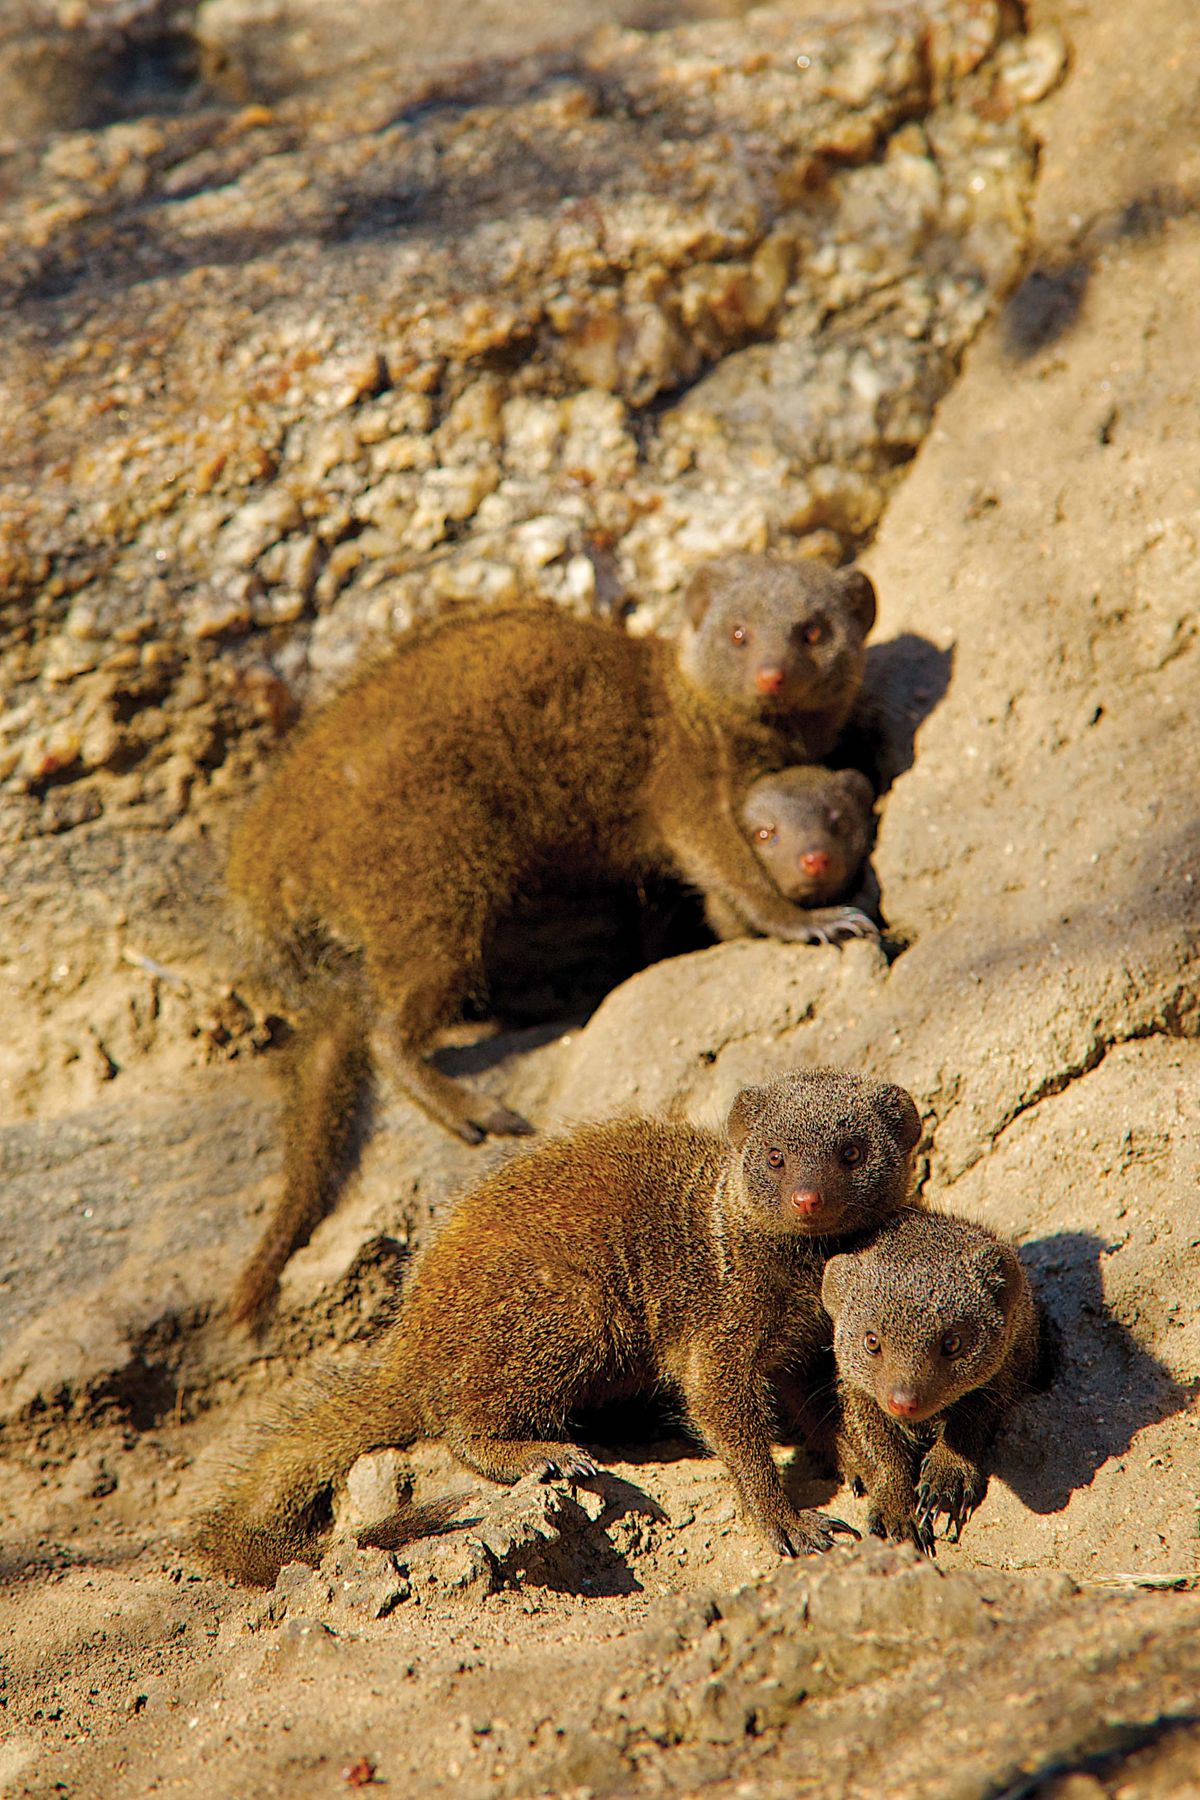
769	680
807	1200
815	862
904	1402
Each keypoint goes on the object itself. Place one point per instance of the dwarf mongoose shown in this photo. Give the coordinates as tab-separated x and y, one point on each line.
936	1337
485	758
628	1257
811	829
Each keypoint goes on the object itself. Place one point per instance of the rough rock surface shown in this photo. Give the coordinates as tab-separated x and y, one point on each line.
306	337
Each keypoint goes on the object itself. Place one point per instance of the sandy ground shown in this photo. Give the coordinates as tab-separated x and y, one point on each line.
1038	859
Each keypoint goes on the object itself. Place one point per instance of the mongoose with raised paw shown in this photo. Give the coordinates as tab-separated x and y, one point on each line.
936	1338
486	758
811	829
630	1257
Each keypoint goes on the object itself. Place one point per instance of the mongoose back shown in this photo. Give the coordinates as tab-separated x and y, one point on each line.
811	829
936	1337
625	1258
474	764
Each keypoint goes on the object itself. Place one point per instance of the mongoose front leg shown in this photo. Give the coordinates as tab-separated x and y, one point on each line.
952	1480
879	1462
727	1413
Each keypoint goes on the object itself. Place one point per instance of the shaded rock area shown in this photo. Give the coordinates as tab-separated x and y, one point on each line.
314	326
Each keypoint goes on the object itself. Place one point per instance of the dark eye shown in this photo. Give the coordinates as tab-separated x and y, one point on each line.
851	1154
814	632
738	635
871	1344
775	1159
951	1343
766	834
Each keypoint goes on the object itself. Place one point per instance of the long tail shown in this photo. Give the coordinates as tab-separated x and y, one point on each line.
326	1086
277	1506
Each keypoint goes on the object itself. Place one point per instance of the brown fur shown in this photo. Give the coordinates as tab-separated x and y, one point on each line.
923	1277
811	829
625	1258
487	755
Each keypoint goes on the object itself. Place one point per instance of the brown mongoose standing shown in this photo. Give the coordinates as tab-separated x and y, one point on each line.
936	1337
628	1257
811	829
480	761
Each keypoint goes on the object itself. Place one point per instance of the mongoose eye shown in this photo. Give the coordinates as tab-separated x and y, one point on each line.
775	1159
851	1154
814	632
766	834
951	1343
738	635
871	1344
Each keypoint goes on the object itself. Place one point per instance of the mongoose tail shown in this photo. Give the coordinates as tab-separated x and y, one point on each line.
278	1507
326	1083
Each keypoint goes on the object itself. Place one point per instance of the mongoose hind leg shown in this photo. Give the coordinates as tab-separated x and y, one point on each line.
507	1459
410	1015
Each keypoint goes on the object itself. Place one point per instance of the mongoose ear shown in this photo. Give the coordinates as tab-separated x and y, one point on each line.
861	594
857	785
835	1283
743	1114
900	1114
697	594
1000	1273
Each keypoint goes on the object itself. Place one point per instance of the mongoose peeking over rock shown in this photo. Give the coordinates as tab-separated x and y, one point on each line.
481	761
936	1337
627	1258
811	829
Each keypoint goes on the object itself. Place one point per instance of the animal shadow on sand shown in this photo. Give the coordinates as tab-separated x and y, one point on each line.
1099	1388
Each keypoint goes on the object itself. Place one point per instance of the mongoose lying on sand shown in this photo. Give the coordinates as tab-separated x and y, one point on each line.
478	762
811	829
936	1338
626	1258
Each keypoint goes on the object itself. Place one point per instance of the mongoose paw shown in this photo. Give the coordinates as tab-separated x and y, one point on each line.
571	1465
901	1529
950	1486
501	1121
492	1121
850	923
808	1533
892	1513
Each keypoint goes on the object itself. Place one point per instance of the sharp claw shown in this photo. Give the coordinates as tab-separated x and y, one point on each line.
836	1525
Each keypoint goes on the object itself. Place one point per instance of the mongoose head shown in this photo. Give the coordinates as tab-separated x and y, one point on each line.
924	1314
811	829
775	638
823	1152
